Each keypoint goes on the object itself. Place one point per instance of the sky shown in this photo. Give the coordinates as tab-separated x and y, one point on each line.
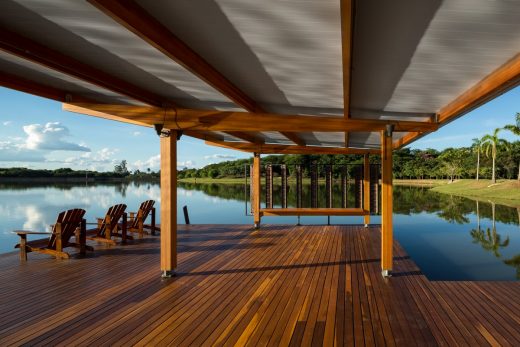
35	133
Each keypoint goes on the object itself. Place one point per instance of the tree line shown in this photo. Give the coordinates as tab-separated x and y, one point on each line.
488	157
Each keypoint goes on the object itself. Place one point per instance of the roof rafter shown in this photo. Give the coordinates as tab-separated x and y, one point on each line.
346	53
498	82
133	17
211	120
247	137
11	81
288	149
25	48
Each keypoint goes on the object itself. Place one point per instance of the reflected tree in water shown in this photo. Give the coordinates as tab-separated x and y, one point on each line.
407	201
489	239
453	211
514	262
121	189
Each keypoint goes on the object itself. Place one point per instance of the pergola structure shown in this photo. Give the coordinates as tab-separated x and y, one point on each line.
328	76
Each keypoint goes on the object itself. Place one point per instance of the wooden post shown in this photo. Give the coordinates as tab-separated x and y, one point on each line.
23	247
256	189
169	204
269	186
314	185
366	188
358	186
344	186
299	180
153	221
58	237
284	185
328	186
124	227
386	201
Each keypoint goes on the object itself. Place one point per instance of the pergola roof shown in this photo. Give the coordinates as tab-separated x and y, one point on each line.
391	61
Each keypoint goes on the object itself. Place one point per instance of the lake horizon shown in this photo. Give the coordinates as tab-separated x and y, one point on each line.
448	237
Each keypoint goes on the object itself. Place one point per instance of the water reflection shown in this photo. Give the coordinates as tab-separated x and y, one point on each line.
449	237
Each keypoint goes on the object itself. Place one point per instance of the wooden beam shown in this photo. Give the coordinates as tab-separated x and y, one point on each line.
313	212
294	138
169	204
136	19
407	139
247	137
25	48
21	84
347	20
133	17
366	188
496	83
386	205
346	50
288	149
204	135
212	120
256	190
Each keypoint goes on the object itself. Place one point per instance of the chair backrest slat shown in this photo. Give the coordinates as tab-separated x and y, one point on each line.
115	213
145	209
69	221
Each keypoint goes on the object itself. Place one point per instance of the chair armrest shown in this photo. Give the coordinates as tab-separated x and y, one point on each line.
25	232
91	223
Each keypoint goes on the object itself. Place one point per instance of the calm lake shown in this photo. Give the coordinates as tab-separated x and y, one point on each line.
450	238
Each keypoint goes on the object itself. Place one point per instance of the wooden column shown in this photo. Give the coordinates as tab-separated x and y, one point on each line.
386	201
366	188
269	186
256	189
169	204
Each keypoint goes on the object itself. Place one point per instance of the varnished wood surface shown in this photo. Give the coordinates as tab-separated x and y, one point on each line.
280	285
306	211
213	120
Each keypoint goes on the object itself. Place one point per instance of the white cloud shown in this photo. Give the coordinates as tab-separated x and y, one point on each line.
7	123
136	133
219	156
16	152
153	163
99	160
185	164
50	137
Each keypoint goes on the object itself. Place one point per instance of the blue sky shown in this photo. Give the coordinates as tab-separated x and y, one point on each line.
36	133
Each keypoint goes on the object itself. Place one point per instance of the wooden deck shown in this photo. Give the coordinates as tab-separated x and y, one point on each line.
282	285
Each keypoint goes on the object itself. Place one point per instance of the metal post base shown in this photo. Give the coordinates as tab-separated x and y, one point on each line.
168	274
257	225
386	273
366	225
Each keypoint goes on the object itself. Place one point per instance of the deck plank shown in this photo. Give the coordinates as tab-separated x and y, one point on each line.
280	285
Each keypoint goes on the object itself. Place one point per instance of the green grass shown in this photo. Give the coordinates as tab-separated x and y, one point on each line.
504	191
420	183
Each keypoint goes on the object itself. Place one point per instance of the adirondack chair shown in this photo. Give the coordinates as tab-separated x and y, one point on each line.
136	222
68	223
109	226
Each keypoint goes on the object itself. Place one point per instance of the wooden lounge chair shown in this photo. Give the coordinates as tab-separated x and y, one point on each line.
69	223
136	222
109	226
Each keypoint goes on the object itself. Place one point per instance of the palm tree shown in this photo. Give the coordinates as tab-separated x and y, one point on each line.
477	146
490	144
515	129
